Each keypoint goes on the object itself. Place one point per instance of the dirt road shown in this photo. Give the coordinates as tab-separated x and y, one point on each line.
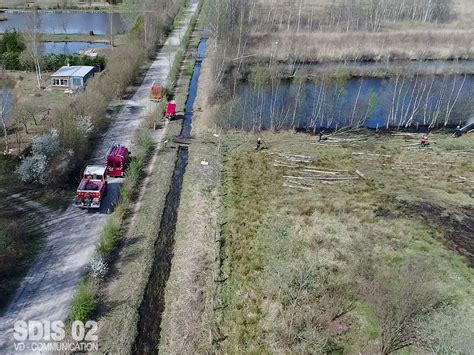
46	292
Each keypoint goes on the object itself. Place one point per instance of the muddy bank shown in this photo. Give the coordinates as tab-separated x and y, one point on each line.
457	228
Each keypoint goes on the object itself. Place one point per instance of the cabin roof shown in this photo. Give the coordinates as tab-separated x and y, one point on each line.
76	70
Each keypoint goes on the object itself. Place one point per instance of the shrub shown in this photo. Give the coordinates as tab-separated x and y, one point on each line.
83	303
11	60
46	144
401	299
12	42
98	267
33	168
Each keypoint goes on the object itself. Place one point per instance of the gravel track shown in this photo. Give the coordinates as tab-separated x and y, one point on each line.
47	290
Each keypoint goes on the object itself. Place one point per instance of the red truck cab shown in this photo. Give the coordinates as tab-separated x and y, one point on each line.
156	92
118	158
171	110
92	188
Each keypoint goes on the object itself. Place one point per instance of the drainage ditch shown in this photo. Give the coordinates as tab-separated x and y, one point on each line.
152	307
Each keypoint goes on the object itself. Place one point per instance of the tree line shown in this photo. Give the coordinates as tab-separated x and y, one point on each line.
345	15
15	56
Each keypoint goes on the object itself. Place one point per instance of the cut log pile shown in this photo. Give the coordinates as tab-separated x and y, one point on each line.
305	177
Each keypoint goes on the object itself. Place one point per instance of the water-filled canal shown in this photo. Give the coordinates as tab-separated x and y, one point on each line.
58	22
329	100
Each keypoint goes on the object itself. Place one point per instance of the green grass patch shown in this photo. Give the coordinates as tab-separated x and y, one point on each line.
83	302
110	235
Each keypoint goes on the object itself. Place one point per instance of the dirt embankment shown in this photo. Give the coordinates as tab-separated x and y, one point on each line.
456	225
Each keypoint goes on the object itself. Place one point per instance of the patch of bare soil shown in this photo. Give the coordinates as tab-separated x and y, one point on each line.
456	227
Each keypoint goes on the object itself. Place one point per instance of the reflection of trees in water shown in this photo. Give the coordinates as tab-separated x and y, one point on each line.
67	22
338	100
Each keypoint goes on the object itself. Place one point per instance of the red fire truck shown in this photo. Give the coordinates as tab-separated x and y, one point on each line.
156	92
118	159
92	188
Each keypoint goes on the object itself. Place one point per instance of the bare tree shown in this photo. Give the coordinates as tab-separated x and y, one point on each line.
401	299
33	38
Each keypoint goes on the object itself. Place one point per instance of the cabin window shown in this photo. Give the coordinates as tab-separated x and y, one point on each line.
55	82
117	164
63	82
76	81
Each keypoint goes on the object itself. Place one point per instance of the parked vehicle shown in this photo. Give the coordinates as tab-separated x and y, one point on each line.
171	110
117	160
156	93
93	187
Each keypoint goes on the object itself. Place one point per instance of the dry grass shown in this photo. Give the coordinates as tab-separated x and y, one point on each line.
395	40
356	46
185	329
276	236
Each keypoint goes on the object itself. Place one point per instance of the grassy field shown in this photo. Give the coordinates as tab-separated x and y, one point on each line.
360	244
312	249
40	103
417	44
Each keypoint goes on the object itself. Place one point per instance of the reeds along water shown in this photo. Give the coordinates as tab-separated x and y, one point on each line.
328	101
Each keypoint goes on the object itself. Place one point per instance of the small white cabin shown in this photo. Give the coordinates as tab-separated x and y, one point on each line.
72	77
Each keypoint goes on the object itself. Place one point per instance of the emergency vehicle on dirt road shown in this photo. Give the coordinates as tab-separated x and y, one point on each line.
92	188
118	158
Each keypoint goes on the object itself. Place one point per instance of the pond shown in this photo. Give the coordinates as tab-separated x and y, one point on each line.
69	47
65	22
330	102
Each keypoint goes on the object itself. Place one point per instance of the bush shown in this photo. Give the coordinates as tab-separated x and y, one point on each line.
33	168
12	42
98	267
53	62
401	299
83	303
11	60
